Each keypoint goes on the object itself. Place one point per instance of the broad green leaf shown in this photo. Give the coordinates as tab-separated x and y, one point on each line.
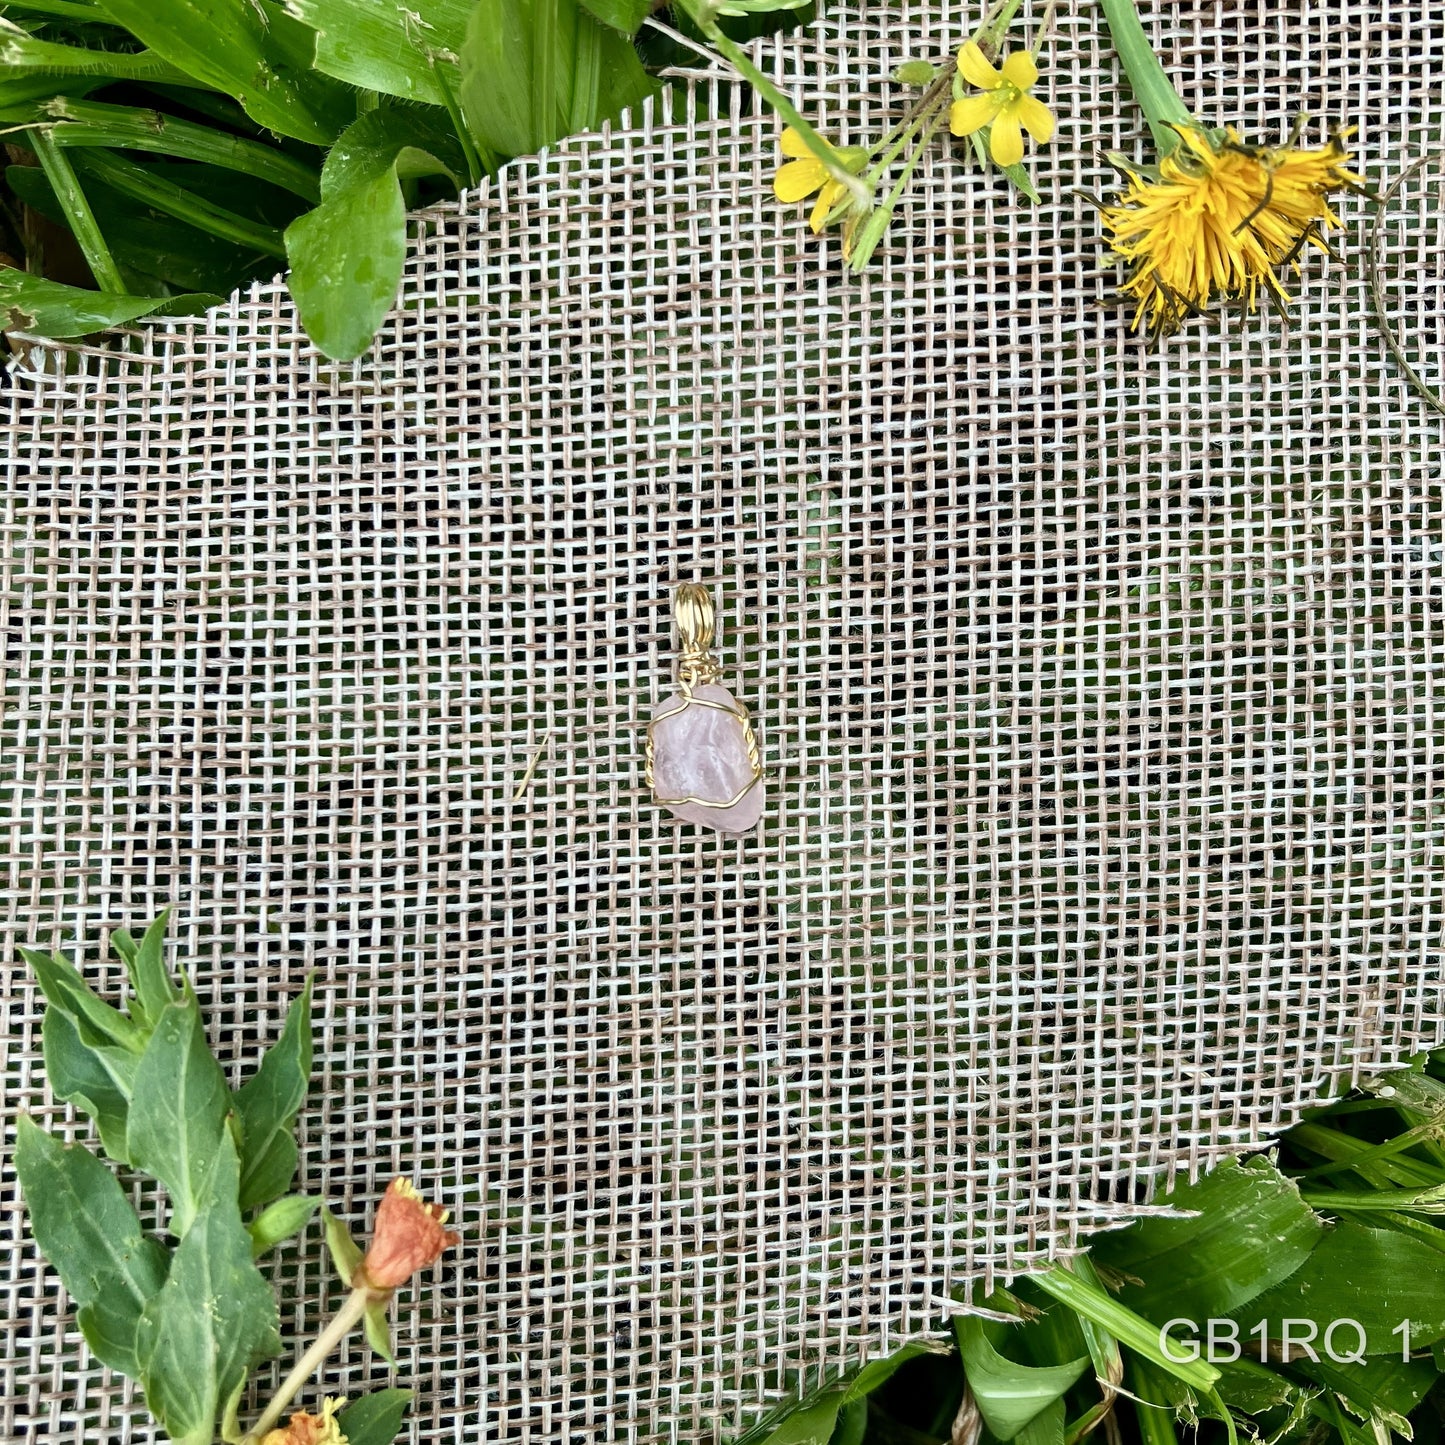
60	981
345	1252
154	991
393	49
374	1419
177	1128
97	1077
811	1425
1251	1231
213	1319
347	255
253	51
280	1221
534	71
267	1105
48	308
1384	1388
1376	1277
1009	1394
1046	1428
86	1228
624	15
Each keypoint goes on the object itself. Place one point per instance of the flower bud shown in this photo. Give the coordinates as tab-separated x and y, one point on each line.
408	1236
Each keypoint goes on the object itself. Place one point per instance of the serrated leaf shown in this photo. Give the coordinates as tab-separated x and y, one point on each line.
177	1125
624	15
374	1419
1250	1230
376	1325
213	1319
86	1228
392	49
345	1253
1009	1395
96	1077
154	991
267	1105
534	71
280	1221
253	51
61	982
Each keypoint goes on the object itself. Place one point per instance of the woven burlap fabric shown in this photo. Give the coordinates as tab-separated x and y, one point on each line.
1099	693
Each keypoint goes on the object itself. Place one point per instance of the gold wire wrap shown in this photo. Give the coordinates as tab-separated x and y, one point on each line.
697	666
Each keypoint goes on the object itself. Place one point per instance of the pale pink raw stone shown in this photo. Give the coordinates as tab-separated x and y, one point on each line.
703	753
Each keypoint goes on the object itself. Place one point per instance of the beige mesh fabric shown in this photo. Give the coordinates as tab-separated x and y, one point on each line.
1100	695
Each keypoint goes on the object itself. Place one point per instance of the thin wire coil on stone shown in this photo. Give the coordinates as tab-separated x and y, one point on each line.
702	759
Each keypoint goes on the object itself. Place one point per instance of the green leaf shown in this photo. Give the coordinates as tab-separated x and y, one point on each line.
253	51
1252	1230
1384	1388
1376	1277
154	991
376	1325
21	52
624	15
48	308
60	981
1046	1428
213	1319
177	1128
1009	1395
345	1252
280	1221
811	1425
97	1077
534	71
374	1419
267	1105
86	1228
392	49
347	255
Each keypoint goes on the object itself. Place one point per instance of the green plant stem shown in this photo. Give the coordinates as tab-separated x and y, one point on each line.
700	12
62	178
878	222
342	1323
1129	1329
475	164
1162	105
991	32
92	124
140	185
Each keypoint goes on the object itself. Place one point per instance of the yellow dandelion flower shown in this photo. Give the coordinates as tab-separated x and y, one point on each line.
805	173
1218	218
1005	104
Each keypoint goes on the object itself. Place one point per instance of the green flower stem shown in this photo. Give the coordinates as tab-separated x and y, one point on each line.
878	222
703	15
150	190
61	175
989	35
342	1323
1161	103
90	123
476	166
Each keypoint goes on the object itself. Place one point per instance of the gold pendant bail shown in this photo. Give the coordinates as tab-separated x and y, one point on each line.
692	611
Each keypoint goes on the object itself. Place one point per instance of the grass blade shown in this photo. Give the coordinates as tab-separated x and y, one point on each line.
83	226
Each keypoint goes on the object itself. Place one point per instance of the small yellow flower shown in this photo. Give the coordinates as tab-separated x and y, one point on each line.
1005	104
805	173
1217	218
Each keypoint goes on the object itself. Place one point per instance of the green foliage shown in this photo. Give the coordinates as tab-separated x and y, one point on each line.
189	1321
534	71
1247	1246
374	1419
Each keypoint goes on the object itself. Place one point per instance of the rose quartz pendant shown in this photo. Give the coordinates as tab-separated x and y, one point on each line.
702	752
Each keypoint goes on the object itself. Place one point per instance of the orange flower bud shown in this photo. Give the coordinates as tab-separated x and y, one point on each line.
308	1429
408	1236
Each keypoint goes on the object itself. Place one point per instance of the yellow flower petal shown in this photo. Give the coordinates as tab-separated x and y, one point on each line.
1019	69
973	66
798	180
792	144
972	113
828	197
1038	119
1005	140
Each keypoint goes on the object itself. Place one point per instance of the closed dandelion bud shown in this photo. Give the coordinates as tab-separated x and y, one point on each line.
408	1236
